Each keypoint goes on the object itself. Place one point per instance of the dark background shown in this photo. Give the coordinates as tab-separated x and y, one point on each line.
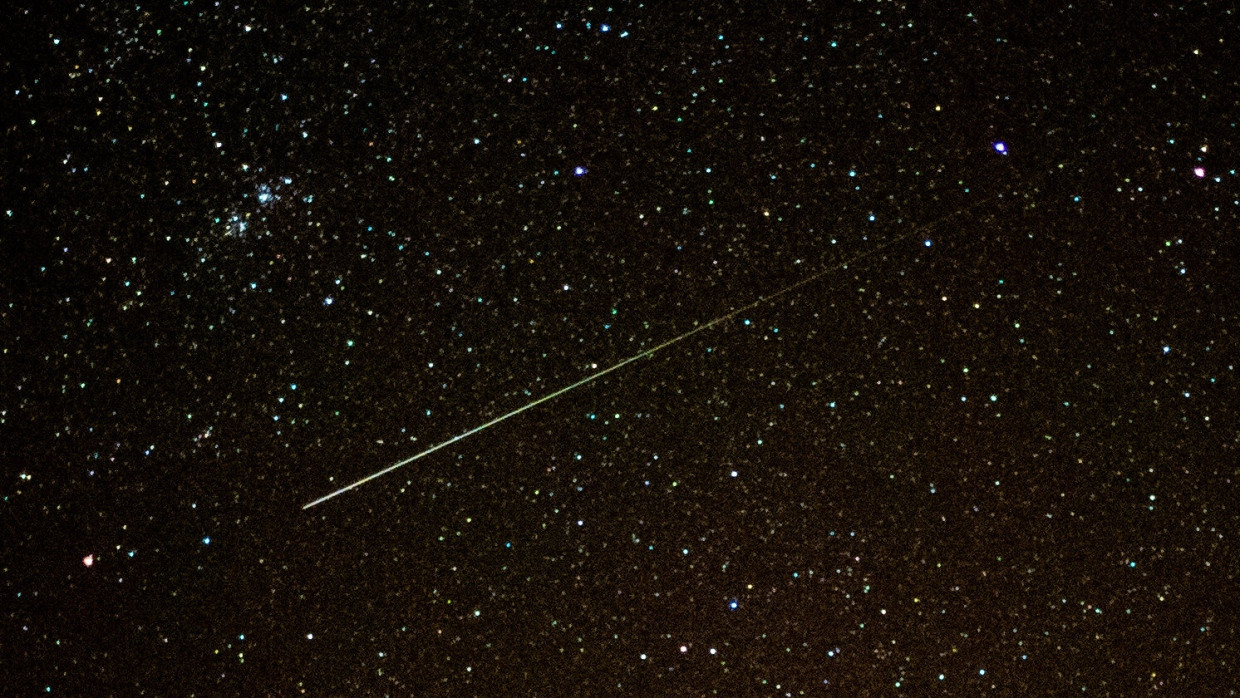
251	255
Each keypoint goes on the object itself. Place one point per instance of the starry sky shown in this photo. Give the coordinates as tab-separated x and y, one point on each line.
965	422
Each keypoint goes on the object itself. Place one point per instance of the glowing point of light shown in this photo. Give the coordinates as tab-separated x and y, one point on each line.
206	540
1001	147
1199	171
579	170
928	243
732	605
88	560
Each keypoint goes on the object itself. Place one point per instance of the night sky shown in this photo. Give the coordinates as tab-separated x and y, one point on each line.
966	422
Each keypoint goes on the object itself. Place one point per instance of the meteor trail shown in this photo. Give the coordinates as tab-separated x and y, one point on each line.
649	352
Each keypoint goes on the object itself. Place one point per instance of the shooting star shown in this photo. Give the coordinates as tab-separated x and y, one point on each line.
647	353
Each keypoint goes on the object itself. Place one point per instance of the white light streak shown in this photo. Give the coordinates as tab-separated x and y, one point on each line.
649	352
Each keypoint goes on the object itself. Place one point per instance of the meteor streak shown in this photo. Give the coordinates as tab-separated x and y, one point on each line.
649	352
